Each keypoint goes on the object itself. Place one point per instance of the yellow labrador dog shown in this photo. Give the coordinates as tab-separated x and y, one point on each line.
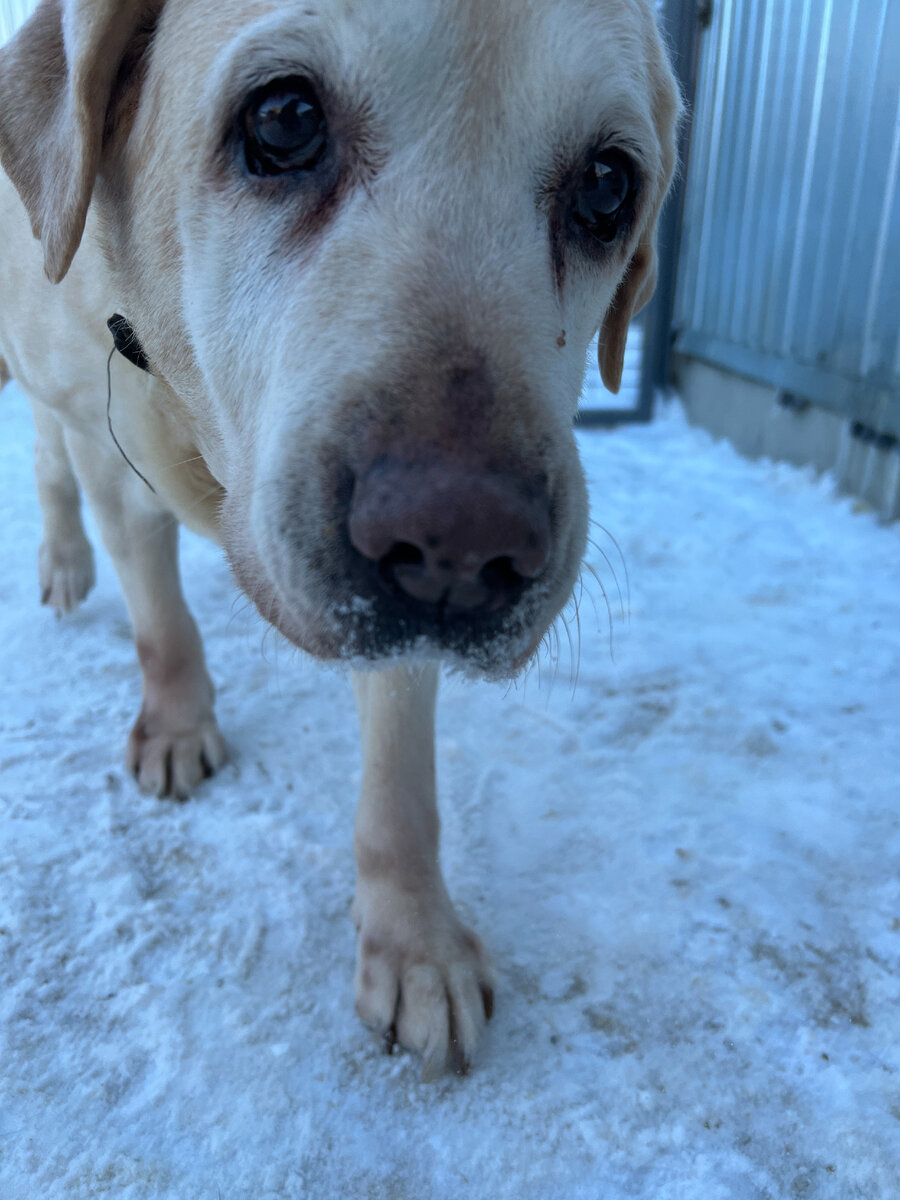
357	251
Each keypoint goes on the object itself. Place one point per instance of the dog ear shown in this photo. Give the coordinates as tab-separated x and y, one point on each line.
56	81
639	281
631	295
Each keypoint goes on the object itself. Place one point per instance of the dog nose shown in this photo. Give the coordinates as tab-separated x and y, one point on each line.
449	536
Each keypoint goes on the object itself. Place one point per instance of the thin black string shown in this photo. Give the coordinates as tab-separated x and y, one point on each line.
109	422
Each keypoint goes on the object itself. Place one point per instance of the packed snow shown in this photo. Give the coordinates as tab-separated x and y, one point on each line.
685	864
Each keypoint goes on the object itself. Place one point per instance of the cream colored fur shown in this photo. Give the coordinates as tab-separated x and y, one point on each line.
281	347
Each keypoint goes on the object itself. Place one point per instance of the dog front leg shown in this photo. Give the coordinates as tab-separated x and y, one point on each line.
175	742
65	559
422	978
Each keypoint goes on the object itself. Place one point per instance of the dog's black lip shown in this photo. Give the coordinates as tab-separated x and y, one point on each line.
343	625
386	641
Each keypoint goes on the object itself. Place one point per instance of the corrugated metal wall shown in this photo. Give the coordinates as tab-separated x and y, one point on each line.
790	261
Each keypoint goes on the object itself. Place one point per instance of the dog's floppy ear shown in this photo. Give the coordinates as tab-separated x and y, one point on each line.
639	281
56	79
631	295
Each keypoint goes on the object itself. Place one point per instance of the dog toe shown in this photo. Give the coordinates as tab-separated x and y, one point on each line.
175	763
66	574
422	979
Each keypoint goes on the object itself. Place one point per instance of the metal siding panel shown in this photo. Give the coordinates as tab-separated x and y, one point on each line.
687	288
765	186
809	234
756	186
840	332
837	151
865	401
708	181
880	320
728	180
744	86
882	315
790	258
788	140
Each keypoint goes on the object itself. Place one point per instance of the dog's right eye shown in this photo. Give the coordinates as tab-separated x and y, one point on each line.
602	202
283	128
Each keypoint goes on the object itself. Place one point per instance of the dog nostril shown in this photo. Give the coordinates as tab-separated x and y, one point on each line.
403	561
403	554
499	576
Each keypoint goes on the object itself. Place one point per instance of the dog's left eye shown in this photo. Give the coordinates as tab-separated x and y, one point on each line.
283	128
602	201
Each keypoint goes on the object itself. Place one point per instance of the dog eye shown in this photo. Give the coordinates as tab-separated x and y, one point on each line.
602	201
283	128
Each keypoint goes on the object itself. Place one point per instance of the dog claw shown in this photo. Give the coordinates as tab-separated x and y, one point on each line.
66	574
462	1065
487	999
173	763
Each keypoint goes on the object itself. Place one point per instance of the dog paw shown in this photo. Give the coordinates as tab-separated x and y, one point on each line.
66	574
173	762
422	978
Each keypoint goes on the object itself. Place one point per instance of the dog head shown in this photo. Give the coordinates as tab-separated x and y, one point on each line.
367	245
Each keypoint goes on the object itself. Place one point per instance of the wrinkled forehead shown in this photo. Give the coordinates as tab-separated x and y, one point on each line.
560	73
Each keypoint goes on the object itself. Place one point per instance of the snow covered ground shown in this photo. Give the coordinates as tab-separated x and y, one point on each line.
686	869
